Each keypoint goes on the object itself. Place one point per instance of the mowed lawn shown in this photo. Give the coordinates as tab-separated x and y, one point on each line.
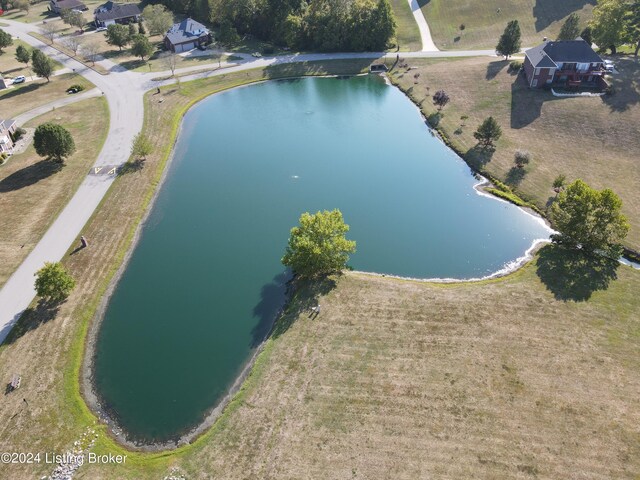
595	139
27	96
484	21
406	380
11	68
33	191
407	32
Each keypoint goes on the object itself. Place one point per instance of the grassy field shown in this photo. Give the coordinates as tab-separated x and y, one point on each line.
11	68
485	21
394	379
39	11
33	191
30	95
594	139
407	32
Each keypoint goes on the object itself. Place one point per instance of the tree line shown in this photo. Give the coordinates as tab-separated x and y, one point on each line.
324	25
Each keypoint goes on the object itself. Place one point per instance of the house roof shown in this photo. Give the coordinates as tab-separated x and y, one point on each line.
114	11
69	4
185	31
550	53
8	123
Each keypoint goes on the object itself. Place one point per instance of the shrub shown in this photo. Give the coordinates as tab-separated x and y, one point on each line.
515	66
522	158
76	87
18	134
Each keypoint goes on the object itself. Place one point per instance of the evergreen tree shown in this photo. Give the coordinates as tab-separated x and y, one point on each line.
141	47
509	42
488	132
571	28
118	35
41	64
53	141
5	40
23	55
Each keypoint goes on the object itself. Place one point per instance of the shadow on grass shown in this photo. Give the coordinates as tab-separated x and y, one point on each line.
134	166
515	176
526	103
29	175
479	155
494	68
275	318
31	319
28	88
547	12
572	275
626	87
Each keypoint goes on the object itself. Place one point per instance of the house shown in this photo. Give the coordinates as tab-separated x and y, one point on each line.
111	13
57	6
569	62
7	128
186	35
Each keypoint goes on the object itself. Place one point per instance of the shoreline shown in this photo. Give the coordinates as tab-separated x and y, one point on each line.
88	388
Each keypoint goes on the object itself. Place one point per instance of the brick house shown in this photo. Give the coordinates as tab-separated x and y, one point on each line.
7	128
57	6
186	35
569	62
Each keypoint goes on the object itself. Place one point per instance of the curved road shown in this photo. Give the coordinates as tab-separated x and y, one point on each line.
124	92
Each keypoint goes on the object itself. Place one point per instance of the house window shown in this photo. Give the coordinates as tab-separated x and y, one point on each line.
537	72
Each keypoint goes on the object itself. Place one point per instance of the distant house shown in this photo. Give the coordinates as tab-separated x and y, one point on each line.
186	35
7	128
568	62
57	6
111	13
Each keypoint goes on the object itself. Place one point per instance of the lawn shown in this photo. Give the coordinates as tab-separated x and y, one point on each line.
390	371
595	139
407	32
485	21
33	191
40	11
11	68
30	95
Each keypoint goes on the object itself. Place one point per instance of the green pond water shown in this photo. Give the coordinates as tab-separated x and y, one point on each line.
205	281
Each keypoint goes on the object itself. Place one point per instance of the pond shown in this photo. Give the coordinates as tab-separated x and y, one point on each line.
205	281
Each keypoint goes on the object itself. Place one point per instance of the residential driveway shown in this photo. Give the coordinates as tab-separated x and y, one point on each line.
423	26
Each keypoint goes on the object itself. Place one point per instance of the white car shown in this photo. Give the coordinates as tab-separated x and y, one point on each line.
101	29
20	79
609	67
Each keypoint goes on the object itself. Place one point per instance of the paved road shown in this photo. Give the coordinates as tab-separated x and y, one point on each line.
423	26
124	92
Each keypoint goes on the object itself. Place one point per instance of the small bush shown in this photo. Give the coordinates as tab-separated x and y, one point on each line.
522	158
76	87
515	66
3	158
18	134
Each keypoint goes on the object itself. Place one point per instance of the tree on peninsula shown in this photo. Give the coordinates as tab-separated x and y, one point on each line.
318	246
53	141
53	283
589	219
509	42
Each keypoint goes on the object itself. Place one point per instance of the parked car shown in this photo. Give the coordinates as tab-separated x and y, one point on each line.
609	67
256	54
101	29
20	79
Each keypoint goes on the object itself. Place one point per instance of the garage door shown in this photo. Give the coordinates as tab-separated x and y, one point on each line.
184	47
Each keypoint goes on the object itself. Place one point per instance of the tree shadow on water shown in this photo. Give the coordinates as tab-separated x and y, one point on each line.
31	319
276	317
574	275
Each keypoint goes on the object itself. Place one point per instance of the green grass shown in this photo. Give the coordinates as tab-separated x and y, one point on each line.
509	196
407	32
484	23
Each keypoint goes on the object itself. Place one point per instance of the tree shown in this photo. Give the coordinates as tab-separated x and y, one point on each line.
5	40
522	158
73	18
117	35
53	141
157	18
23	55
22	5
589	219
587	35
41	64
72	42
140	46
49	31
633	24
53	283
133	30
608	25
141	29
318	246
141	146
440	99
509	42
570	28
91	51
559	183
170	60
488	132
